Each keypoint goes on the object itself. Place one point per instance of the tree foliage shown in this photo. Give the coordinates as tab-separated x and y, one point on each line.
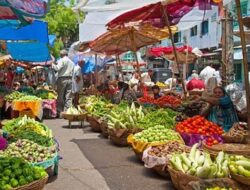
63	22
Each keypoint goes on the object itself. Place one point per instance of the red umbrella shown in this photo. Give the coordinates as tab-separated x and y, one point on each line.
153	13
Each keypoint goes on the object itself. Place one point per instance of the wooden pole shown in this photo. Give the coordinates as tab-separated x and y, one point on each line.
174	48
244	53
96	75
119	63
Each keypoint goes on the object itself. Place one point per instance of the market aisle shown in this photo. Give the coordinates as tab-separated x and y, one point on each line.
91	162
75	171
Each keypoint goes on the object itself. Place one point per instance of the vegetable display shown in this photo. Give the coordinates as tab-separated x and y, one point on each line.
126	119
16	172
212	140
167	100
96	106
167	149
28	98
159	133
3	143
14	96
164	117
240	165
45	94
199	125
199	164
74	111
29	151
16	126
33	136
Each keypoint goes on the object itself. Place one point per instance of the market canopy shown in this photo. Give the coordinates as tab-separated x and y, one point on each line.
185	54
117	41
23	11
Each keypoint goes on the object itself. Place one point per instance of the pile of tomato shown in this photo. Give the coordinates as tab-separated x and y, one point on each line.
199	125
210	141
162	101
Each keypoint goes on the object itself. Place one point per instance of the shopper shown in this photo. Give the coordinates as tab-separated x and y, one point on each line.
77	82
64	69
156	91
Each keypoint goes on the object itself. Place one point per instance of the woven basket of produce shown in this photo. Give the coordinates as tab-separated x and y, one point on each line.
36	185
74	117
230	148
157	157
241	179
104	129
237	134
161	170
94	123
180	179
119	136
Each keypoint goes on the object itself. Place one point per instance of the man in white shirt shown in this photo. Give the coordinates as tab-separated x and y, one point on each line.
207	73
77	81
64	69
147	77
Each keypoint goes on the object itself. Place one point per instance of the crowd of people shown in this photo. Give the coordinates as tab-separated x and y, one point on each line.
132	86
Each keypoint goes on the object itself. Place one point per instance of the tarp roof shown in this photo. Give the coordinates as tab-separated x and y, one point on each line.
36	31
29	51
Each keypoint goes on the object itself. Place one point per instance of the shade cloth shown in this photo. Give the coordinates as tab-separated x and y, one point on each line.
34	106
29	51
27	32
22	10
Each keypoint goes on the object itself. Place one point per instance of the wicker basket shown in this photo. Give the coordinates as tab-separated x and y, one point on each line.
95	124
119	136
181	180
238	149
35	185
72	117
161	170
241	179
28	113
104	129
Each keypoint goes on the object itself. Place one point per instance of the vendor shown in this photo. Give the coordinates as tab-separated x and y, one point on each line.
222	111
156	91
125	93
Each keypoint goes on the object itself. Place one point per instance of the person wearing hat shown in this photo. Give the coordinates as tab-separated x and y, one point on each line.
64	68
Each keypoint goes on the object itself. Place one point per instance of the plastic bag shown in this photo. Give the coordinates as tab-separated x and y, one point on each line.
151	161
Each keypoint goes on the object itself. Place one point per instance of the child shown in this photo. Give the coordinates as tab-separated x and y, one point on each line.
156	91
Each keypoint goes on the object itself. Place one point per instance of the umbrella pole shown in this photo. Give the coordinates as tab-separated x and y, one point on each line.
132	38
174	48
244	53
119	63
96	75
137	63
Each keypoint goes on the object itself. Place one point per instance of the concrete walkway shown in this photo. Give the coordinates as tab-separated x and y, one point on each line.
75	171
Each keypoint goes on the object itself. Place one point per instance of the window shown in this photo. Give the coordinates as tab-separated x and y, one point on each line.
204	27
237	71
193	31
177	37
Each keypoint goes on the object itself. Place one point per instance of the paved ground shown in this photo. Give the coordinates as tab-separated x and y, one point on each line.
90	162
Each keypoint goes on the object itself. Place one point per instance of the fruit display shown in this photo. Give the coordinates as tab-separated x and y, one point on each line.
212	140
160	84
16	126
15	172
199	164
74	111
158	133
168	149
239	165
28	150
198	125
163	101
33	136
14	96
164	117
126	119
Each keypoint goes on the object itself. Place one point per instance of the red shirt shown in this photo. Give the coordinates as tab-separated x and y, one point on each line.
195	84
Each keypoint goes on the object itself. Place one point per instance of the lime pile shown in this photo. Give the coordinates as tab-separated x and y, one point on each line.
15	172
